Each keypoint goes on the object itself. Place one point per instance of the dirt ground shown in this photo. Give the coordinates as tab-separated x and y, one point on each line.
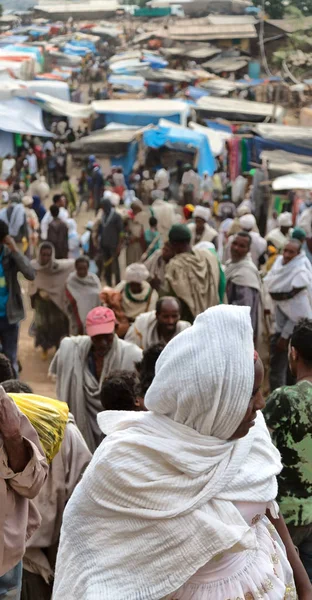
34	369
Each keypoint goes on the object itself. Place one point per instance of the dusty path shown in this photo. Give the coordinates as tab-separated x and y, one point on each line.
34	369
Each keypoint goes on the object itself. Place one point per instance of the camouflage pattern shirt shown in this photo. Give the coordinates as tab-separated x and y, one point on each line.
288	414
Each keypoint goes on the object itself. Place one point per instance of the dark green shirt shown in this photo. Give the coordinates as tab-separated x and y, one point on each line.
289	414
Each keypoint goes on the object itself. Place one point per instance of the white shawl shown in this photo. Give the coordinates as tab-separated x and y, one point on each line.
143	332
157	501
244	272
294	275
79	388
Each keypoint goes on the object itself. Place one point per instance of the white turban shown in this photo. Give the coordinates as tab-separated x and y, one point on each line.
247	222
115	199
158	195
243	209
107	195
202	213
136	273
146	174
285	219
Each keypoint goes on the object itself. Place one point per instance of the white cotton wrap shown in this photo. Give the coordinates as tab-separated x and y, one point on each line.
157	501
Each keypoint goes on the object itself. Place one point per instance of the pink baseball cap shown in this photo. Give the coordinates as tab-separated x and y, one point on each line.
100	321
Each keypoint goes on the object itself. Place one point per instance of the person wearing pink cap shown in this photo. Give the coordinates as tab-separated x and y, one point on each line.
83	362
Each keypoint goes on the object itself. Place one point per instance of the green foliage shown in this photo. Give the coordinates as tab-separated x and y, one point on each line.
1	10
277	9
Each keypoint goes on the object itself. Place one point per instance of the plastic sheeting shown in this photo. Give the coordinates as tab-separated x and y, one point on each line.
6	143
19	116
244	109
63	108
142	112
294	181
195	92
127	161
182	136
215	138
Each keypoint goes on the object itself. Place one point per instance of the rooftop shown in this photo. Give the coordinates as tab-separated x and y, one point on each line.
292	25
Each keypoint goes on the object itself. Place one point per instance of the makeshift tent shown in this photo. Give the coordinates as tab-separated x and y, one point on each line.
239	110
215	138
297	136
126	82
182	137
294	181
63	108
141	112
20	116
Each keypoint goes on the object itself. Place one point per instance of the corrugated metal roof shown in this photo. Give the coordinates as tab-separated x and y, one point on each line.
207	32
232	20
225	64
292	25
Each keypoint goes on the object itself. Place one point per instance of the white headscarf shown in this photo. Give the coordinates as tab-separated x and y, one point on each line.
285	219
161	488
247	222
137	272
202	213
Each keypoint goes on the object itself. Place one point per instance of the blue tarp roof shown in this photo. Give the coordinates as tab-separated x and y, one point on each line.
255	82
25	50
137	83
217	126
13	39
156	62
167	136
196	92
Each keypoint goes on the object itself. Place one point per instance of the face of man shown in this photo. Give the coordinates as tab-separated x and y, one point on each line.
45	256
82	268
168	316
291	250
167	252
102	343
239	248
200	224
62	201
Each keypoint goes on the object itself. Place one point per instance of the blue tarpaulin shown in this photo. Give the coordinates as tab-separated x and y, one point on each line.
170	136
84	44
127	161
255	82
196	92
260	144
136	83
13	39
140	120
156	62
217	126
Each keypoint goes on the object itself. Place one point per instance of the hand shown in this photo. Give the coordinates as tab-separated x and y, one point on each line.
9	416
10	243
306	595
282	345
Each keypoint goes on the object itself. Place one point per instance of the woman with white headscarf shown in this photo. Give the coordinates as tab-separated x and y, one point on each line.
137	295
201	230
173	503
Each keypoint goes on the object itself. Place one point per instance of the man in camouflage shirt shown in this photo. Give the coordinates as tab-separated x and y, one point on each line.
288	414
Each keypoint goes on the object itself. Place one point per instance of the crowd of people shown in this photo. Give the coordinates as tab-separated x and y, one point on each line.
165	323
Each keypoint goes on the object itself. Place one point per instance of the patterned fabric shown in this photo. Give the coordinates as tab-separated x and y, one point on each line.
289	414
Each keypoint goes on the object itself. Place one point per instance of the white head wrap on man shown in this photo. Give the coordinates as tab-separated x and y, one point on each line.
136	273
161	487
158	194
247	222
285	219
202	212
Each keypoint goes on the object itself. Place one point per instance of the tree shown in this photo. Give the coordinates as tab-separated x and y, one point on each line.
1	10
274	8
304	5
